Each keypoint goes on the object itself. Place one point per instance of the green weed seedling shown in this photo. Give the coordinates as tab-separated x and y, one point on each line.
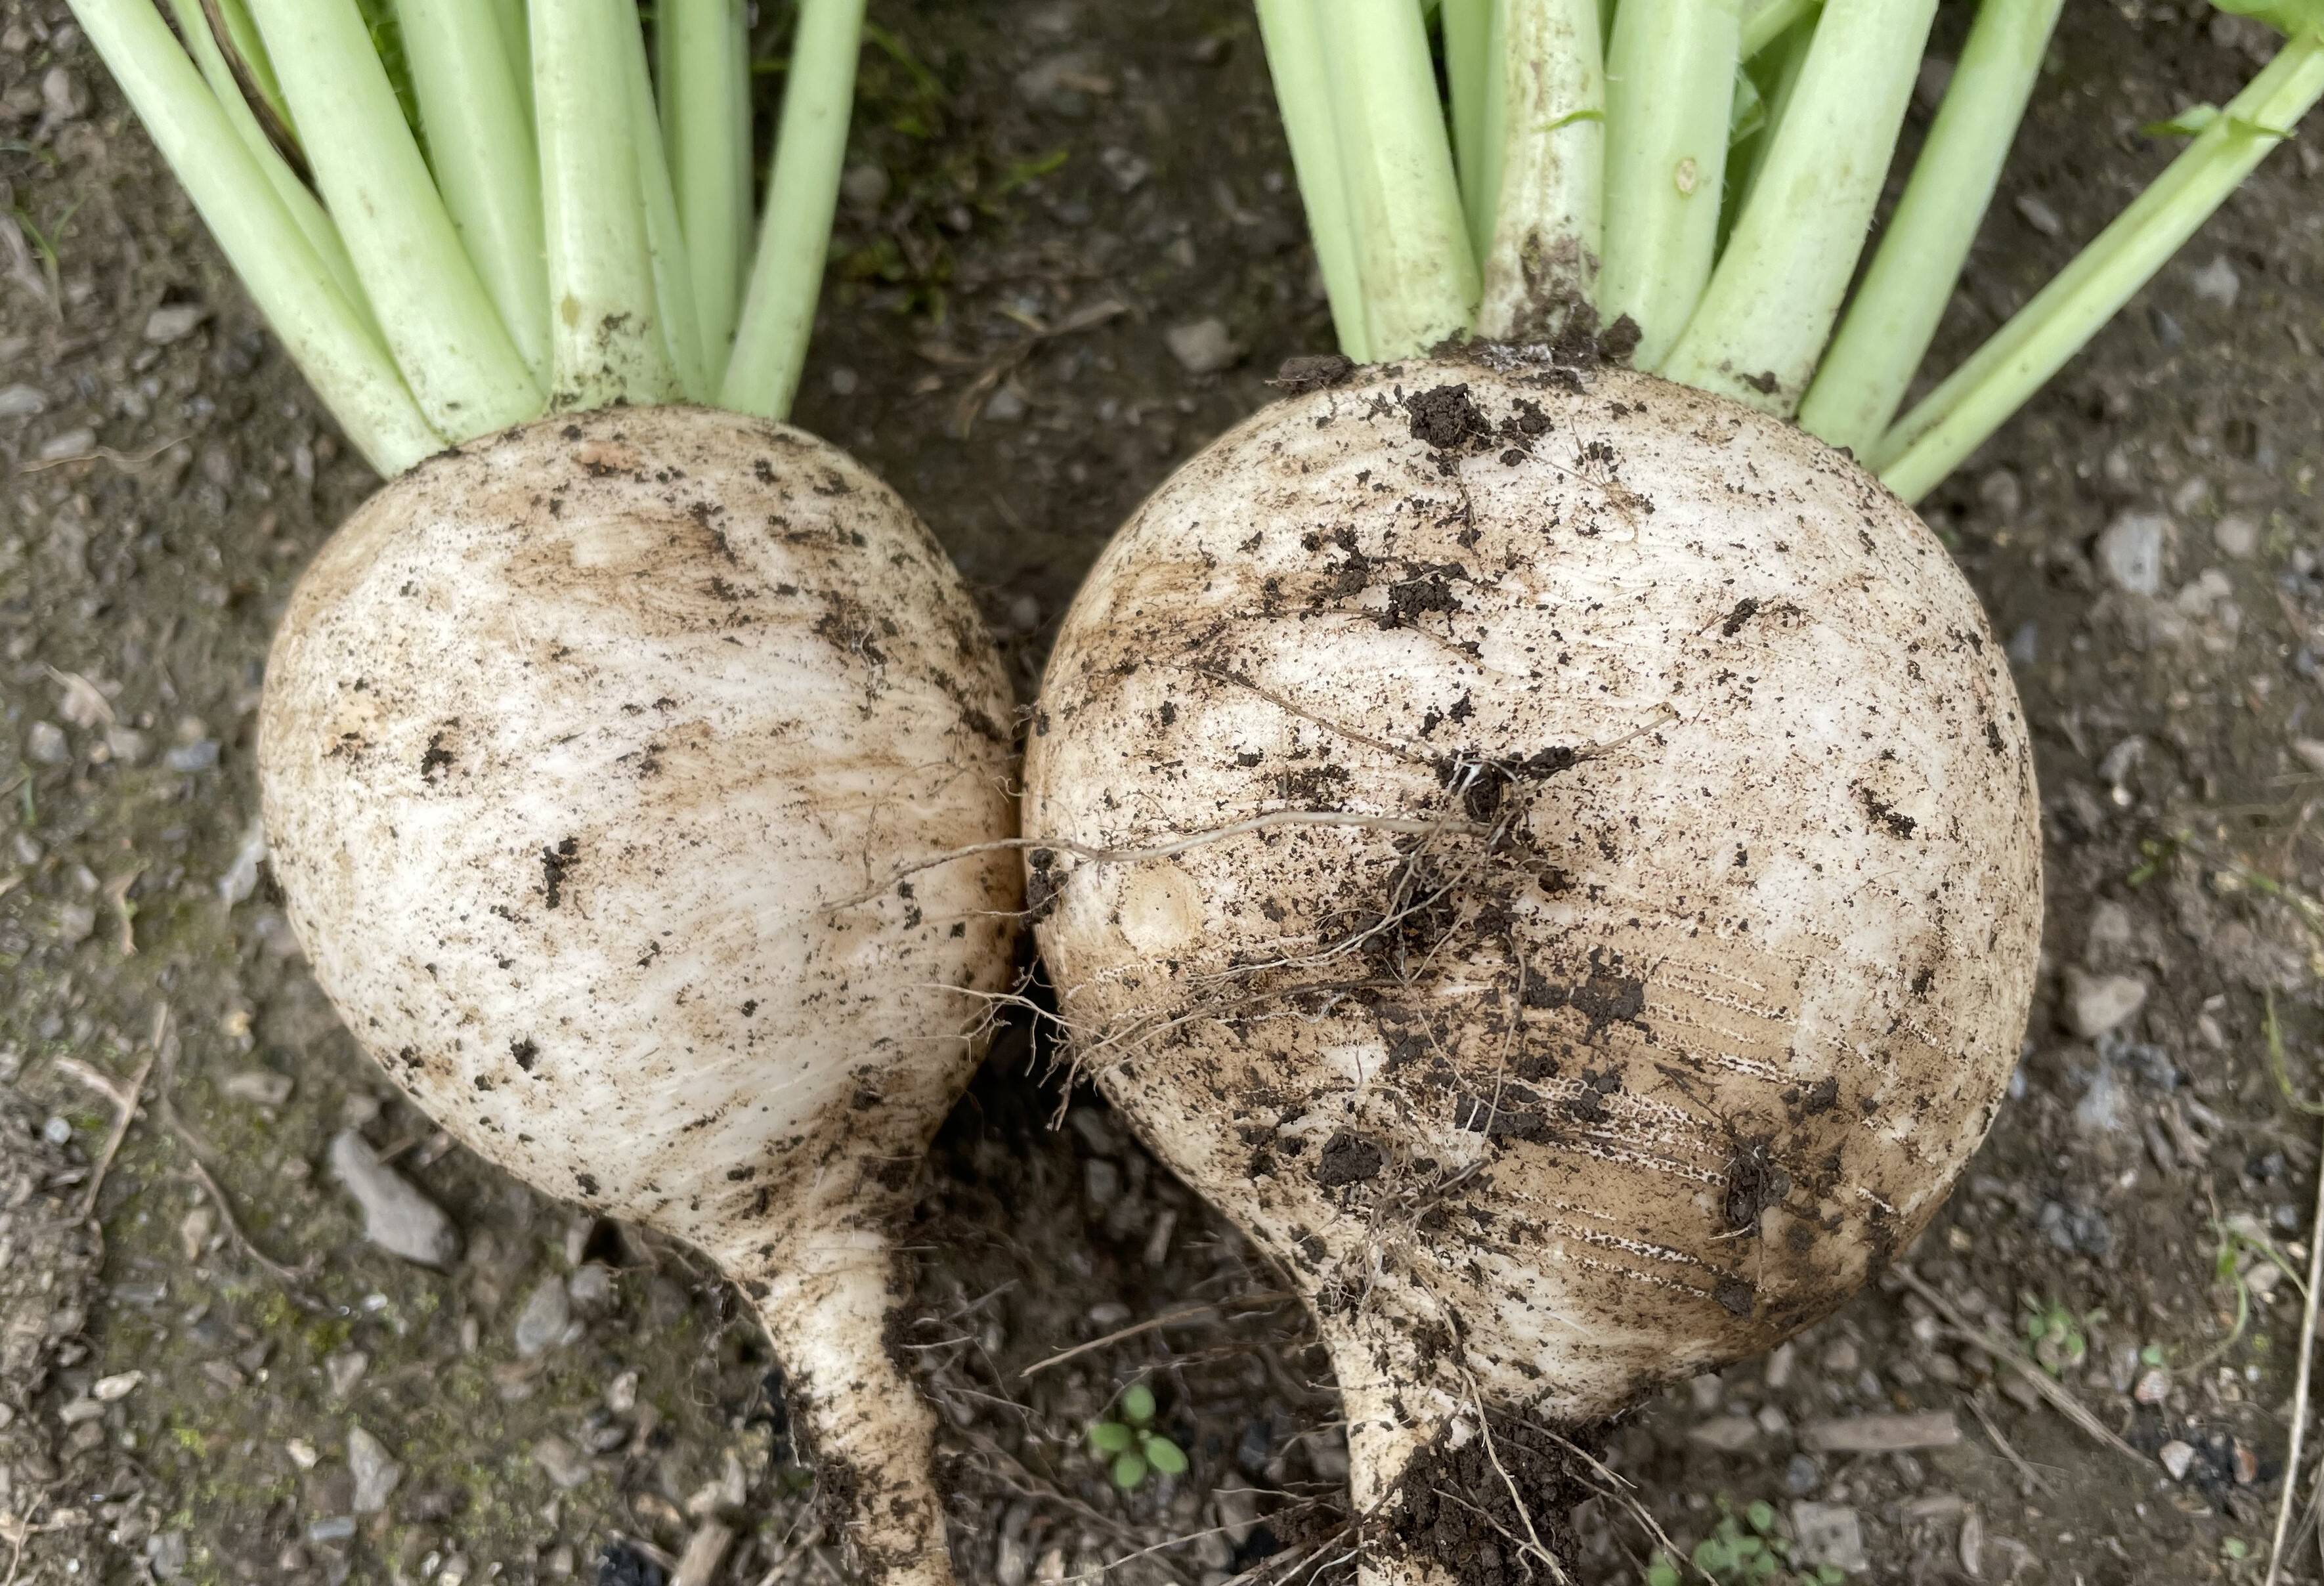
1128	1442
1745	1549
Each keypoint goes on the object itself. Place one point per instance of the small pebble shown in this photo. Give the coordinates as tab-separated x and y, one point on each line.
260	1086
2038	214
1802	1476
1827	1534
2235	535
2217	283
377	1474
2153	1386
545	1321
2130	551
2098	1005
561	1462
1724	1433
62	95
397	1217
44	744
346	1369
865	186
2177	1458
199	756
1203	346
22	401
173	322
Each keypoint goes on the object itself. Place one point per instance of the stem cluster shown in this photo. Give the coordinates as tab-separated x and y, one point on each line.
543	232
1710	170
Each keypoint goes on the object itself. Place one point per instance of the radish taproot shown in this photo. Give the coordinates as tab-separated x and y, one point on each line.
582	740
1550	847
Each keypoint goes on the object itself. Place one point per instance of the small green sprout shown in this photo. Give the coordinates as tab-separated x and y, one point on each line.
1131	1444
1747	1548
2055	1336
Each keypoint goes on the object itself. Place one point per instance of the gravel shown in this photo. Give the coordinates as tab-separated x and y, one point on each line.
397	1218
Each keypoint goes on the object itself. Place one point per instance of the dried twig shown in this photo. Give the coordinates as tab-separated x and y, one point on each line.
126	1099
2039	1380
2032	1477
293	1282
2299	1388
1168	1319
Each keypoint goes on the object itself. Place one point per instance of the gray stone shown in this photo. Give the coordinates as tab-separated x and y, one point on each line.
2130	551
1827	1534
44	744
2039	216
22	401
173	322
561	1462
2099	1004
62	95
2235	535
2177	1458
1203	346
1724	1433
591	1287
546	1317
377	1474
397	1218
866	186
346	1369
2217	283
260	1086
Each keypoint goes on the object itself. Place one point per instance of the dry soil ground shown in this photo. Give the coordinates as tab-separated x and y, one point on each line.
1069	254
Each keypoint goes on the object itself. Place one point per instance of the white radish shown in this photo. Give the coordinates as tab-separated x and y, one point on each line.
1555	856
570	740
584	742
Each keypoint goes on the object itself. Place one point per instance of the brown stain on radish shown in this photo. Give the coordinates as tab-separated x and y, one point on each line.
1707	981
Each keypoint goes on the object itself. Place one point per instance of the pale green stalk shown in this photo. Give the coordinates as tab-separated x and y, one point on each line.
1413	257
516	47
194	27
331	343
1549	227
439	324
1770	20
605	339
673	274
1303	92
1670	87
1471	49
1894	316
1771	304
242	33
480	147
1954	419
1777	72
705	58
779	306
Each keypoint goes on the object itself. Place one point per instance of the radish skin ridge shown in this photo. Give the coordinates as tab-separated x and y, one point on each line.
1706	988
582	739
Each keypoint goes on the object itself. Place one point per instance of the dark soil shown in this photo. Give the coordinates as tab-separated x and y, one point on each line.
1043	189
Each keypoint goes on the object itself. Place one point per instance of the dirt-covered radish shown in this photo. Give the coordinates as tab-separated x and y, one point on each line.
713	676
1605	894
582	740
1550	847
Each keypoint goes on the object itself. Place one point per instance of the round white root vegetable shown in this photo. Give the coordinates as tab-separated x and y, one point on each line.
1555	857
571	737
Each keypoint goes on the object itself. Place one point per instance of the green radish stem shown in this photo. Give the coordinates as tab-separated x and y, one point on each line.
522	251
1954	419
335	346
1771	303
703	50
1412	255
778	305
1401	226
1546	105
606	341
454	353
1894	318
479	133
1670	71
296	196
1303	93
